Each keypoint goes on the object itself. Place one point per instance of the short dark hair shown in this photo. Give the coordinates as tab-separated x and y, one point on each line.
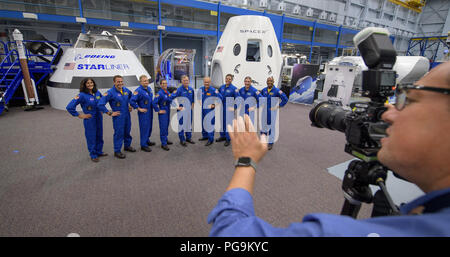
83	87
117	76
230	75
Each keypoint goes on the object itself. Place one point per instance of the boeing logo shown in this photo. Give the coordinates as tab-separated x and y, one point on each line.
92	56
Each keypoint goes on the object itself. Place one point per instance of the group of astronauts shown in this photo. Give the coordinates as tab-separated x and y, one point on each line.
122	101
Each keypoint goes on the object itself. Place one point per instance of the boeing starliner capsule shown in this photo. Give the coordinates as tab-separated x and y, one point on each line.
247	47
99	56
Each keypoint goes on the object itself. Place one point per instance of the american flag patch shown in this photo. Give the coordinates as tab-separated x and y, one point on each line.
69	66
219	49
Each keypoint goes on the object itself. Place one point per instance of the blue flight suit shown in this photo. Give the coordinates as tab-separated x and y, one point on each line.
234	215
270	98
143	98
188	93
121	123
162	101
204	95
230	91
251	92
93	127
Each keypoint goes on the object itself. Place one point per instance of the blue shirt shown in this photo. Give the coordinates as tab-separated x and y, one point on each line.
88	103
204	94
162	101
117	100
234	215
251	92
274	93
188	93
230	91
142	98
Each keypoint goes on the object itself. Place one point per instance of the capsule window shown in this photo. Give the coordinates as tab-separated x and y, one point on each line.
269	51
237	49
253	53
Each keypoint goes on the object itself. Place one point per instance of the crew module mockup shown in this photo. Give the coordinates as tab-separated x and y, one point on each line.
99	56
247	47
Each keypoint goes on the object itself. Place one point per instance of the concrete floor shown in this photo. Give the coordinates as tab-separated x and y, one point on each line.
50	187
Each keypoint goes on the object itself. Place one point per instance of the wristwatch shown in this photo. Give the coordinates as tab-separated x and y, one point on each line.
245	162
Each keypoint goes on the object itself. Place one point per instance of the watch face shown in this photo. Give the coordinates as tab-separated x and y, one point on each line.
244	160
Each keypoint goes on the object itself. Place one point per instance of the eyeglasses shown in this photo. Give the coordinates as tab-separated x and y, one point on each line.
401	91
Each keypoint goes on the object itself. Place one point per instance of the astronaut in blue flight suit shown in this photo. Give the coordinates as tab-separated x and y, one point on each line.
92	118
185	96
231	92
416	139
118	98
250	96
161	105
269	99
208	95
142	100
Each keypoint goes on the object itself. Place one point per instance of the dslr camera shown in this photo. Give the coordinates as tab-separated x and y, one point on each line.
362	123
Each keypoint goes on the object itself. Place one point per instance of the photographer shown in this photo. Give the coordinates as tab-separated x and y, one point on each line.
417	148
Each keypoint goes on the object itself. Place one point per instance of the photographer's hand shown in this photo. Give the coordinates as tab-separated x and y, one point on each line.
245	143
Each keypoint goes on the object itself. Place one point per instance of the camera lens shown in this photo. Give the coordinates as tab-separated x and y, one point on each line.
326	115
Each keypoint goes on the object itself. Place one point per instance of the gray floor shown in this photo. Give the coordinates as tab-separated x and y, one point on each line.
50	187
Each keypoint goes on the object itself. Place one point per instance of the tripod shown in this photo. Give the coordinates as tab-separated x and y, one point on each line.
358	176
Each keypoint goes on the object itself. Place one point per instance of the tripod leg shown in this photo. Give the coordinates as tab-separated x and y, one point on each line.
350	209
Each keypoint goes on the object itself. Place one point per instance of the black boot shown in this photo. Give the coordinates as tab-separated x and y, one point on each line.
120	155
146	149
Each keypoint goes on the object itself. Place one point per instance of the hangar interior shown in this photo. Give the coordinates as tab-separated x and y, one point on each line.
48	186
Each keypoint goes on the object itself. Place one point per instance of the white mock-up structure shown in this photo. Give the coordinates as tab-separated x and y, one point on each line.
99	56
344	75
248	47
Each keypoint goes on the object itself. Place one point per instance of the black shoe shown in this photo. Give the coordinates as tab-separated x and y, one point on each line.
203	139
95	159
190	141
208	143
150	143
130	149
227	143
220	139
165	147
120	155
183	143
270	147
169	143
102	155
146	149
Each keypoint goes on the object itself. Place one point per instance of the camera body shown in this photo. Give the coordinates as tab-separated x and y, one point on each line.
362	123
